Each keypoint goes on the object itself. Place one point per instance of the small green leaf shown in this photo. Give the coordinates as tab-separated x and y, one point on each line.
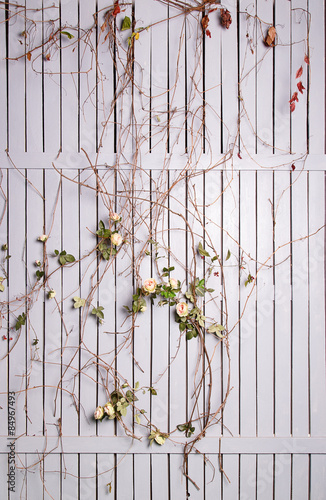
126	24
35	342
202	251
39	275
2	287
79	302
69	35
152	391
214	258
62	260
56	252
136	386
137	418
228	255
98	312
70	258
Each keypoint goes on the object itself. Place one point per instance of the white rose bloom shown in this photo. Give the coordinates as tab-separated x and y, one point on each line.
99	413
173	283
115	217
116	239
43	238
182	309
149	285
142	309
38	263
109	410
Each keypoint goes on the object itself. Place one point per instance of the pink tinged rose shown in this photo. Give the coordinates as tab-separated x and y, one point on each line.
116	239
149	285
99	413
109	410
43	238
173	283
182	309
52	294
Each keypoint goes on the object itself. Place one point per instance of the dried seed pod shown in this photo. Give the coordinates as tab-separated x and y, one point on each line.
226	18
204	22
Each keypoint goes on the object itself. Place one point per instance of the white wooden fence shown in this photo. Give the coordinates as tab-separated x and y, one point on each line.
200	146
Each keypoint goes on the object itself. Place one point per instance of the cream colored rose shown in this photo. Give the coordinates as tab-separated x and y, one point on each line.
109	410
99	413
149	285
182	309
43	238
116	239
173	283
52	293
115	217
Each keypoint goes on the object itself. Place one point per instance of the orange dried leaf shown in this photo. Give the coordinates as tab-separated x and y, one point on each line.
306	59
47	57
29	56
292	106
270	37
299	72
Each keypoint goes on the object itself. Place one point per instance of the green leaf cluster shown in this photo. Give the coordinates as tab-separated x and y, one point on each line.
187	428
216	329
157	436
197	289
249	280
97	311
64	257
105	247
21	320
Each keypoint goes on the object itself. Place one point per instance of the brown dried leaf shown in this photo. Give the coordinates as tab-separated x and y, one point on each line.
29	56
270	37
299	72
226	18
204	22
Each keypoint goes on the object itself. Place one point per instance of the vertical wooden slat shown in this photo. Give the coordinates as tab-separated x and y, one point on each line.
17	249
231	301
105	82
248	476
265	477
142	476
160	316
213	236
316	84
178	398
105	281
196	474
16	84
282	277
318	476
177	480
282	475
159	65
34	84
52	477
125	484
3	82
213	87
4	467
247	304
69	76
177	42
142	91
247	75
230	79
106	474
34	476
52	320
70	473
316	256
213	477
300	477
282	77
300	322
231	465
87	474
299	116
265	309
88	264
52	84
35	365
265	81
4	297
87	76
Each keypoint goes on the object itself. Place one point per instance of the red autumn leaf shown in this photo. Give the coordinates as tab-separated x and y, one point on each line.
299	72
239	155
292	106
293	167
47	57
294	97
208	33
300	87
306	59
116	10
